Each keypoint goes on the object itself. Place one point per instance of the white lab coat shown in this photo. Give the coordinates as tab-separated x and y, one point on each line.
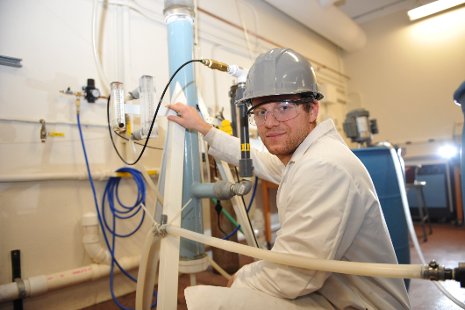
328	208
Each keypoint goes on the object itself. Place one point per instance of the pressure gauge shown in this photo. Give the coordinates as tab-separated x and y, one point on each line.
95	92
91	93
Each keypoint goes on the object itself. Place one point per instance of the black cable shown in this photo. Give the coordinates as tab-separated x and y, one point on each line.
154	116
218	208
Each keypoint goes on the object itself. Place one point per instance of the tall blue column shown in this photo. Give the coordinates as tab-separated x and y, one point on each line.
179	18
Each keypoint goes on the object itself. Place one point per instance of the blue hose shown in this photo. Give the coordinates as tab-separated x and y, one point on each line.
122	212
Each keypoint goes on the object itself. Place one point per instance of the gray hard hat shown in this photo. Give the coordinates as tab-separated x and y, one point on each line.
281	71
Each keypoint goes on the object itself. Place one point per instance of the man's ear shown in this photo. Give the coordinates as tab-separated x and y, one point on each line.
314	111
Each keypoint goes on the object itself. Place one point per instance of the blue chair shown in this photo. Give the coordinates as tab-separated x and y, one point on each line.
380	164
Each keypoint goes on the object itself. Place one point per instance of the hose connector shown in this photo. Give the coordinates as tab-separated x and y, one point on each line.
459	274
435	272
78	102
215	64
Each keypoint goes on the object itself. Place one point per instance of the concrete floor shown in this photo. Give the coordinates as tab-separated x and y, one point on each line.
446	245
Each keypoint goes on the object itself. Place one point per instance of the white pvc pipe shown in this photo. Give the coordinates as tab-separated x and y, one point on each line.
72	176
36	177
328	21
172	192
35	121
147	271
91	241
98	63
38	285
218	268
403	195
352	268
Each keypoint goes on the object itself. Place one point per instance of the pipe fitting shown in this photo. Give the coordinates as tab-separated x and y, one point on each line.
435	272
242	188
97	253
178	9
36	285
238	72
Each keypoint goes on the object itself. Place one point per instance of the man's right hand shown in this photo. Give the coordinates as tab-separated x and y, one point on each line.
188	117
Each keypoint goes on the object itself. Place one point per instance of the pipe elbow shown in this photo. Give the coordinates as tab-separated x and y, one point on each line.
95	251
91	240
242	188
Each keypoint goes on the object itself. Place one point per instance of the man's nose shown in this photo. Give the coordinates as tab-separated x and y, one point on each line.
270	120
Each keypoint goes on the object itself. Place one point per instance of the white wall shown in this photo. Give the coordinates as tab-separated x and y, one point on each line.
53	37
406	75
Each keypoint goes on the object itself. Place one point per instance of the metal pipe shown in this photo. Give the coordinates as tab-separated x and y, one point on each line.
16	270
222	190
245	163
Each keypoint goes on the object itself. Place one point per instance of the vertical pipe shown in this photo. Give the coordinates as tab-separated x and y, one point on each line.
179	18
232	104
245	163
16	274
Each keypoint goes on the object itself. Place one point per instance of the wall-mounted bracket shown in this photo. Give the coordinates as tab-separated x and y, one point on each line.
10	61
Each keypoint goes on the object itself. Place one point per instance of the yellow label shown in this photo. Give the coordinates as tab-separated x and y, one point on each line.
56	134
245	147
226	127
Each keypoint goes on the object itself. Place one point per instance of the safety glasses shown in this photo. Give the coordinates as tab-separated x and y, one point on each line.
284	110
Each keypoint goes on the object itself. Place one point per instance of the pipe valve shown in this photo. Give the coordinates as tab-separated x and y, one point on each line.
435	272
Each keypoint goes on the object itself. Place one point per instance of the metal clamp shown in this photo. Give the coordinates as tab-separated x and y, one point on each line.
160	229
21	288
43	130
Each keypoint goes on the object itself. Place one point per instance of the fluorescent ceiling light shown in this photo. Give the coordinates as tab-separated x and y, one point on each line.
432	8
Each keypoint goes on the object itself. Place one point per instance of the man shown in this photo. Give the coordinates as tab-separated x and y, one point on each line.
327	204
